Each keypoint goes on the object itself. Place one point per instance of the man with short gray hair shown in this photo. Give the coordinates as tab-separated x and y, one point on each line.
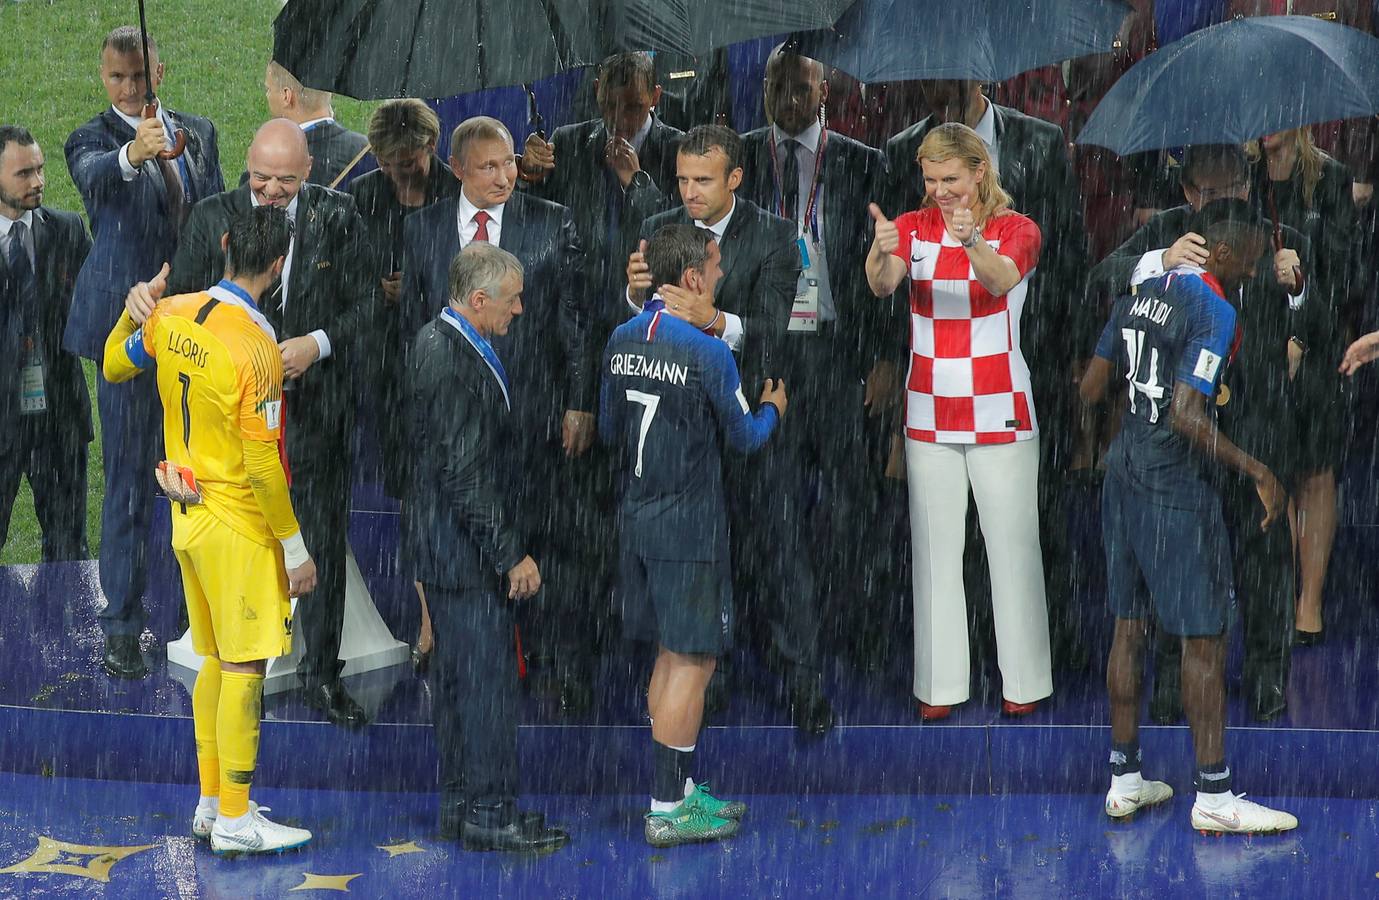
552	367
461	533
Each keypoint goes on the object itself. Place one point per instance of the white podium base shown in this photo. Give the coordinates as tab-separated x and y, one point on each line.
366	644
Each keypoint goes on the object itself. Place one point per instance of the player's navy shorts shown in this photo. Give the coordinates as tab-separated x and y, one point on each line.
1169	559
684	606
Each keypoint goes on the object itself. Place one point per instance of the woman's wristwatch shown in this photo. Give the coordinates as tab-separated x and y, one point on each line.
972	241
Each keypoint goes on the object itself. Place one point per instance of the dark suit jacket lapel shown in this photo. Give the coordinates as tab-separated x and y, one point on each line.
733	238
514	220
118	125
836	179
191	157
1011	164
653	155
762	169
44	258
306	243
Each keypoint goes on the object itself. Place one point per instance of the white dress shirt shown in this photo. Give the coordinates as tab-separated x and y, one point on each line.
464	214
312	123
5	237
126	167
986	130
321	338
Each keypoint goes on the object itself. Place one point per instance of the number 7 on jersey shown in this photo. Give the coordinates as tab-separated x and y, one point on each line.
648	402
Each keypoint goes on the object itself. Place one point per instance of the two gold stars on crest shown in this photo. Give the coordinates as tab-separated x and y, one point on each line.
95	863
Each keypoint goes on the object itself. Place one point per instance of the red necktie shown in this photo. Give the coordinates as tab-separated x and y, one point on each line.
481	234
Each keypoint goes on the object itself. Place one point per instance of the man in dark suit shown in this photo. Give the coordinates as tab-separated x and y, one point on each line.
135	203
840	363
462	532
612	172
549	359
750	309
1253	406
1059	328
320	310
45	409
334	149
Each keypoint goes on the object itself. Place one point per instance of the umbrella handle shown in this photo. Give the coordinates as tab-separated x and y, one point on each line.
1278	239
179	137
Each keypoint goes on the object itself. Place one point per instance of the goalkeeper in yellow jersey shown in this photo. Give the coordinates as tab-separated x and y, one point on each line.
233	530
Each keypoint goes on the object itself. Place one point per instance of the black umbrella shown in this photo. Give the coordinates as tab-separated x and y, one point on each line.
1238	81
179	139
977	40
375	49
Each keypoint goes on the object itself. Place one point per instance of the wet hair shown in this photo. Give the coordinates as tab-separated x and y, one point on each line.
15	134
480	267
403	126
476	128
1231	222
1311	164
675	248
953	140
257	238
700	139
1228	159
127	39
627	70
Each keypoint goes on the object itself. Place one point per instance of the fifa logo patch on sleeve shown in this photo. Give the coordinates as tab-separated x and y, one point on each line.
273	413
1208	364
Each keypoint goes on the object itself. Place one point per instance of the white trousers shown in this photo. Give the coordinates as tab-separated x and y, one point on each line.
1004	478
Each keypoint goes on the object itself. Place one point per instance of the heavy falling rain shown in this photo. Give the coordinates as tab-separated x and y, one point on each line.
678	448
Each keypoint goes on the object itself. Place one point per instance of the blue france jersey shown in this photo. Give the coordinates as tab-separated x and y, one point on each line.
1175	332
670	399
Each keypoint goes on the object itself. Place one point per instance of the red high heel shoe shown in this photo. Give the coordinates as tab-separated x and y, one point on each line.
934	713
1011	708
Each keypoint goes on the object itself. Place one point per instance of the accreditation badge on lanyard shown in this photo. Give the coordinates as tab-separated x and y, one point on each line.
804	314
33	398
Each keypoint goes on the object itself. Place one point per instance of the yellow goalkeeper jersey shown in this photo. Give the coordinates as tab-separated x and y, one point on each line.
220	380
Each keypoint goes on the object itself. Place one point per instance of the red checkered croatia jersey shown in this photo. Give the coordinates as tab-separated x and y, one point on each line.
968	382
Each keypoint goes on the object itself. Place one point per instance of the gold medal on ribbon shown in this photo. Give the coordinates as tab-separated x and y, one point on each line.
1223	395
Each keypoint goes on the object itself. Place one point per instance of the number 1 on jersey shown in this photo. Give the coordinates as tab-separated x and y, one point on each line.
648	402
1150	386
186	409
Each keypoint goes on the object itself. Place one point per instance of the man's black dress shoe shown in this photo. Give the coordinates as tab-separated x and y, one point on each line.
1307	638
122	658
517	836
452	821
809	708
331	698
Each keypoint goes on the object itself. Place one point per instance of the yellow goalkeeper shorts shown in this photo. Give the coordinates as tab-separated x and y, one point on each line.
236	590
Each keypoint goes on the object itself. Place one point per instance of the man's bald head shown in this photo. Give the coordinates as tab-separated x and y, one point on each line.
796	88
278	162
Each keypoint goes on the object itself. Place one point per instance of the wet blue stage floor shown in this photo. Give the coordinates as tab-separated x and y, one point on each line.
1027	846
976	806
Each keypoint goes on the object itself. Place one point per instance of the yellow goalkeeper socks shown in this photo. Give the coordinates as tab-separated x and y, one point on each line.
237	733
205	708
